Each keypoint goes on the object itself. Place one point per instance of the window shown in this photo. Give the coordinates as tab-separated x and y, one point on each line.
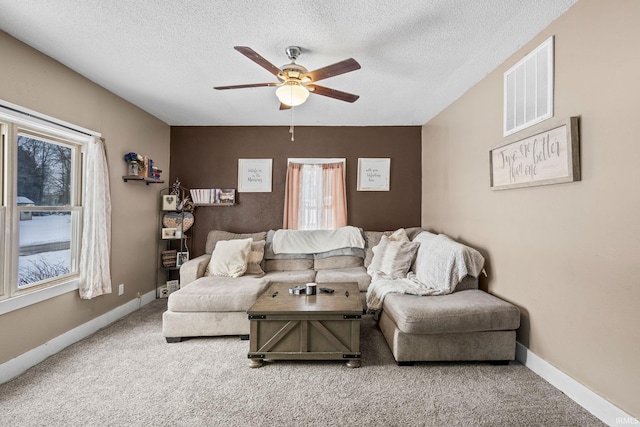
41	204
315	195
44	203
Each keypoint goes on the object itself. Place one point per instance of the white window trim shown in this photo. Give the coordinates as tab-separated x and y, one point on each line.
21	116
24	300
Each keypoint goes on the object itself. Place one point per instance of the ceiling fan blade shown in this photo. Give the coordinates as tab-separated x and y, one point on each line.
332	93
284	106
255	57
245	86
334	70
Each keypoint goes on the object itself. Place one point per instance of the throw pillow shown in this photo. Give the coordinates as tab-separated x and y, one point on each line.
392	258
229	258
372	238
400	235
256	254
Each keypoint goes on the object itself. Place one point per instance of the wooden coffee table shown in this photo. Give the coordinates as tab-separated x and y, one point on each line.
285	326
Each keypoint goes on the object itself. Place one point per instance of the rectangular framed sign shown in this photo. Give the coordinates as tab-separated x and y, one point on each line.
549	154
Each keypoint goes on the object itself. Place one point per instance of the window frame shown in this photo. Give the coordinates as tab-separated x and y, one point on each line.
74	207
321	161
14	121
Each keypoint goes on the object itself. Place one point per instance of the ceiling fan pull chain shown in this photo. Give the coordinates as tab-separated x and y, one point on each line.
291	130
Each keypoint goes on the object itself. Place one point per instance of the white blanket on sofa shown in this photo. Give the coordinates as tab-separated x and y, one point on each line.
315	241
441	263
381	287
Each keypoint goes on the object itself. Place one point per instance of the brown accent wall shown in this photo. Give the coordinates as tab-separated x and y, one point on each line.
566	254
207	157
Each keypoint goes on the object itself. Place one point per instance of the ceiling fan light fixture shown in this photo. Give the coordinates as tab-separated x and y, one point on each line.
292	93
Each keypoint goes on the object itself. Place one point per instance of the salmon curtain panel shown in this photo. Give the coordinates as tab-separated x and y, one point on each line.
315	196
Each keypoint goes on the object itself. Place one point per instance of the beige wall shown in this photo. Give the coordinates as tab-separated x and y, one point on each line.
566	254
34	81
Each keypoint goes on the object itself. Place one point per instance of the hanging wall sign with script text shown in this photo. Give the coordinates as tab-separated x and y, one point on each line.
545	155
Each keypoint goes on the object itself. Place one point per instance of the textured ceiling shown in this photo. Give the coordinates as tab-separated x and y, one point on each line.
417	56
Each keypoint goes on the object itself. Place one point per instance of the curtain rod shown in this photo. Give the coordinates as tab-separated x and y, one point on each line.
44	119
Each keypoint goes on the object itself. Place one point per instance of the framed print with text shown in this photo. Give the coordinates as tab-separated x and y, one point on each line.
254	175
373	174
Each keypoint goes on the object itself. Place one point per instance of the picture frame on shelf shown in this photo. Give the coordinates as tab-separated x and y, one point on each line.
169	258
163	292
172	285
254	175
169	233
182	257
169	202
226	196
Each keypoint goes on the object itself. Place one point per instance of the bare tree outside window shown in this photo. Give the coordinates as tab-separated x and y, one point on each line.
44	180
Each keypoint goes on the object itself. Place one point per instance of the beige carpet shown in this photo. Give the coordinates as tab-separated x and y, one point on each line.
126	374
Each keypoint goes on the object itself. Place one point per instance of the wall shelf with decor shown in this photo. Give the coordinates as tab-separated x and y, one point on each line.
141	168
213	196
143	179
214	204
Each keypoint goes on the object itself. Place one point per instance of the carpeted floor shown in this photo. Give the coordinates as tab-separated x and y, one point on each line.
126	374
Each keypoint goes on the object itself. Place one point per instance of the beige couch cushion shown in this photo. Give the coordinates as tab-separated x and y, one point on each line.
340	261
296	276
352	274
288	264
215	236
256	257
218	294
465	311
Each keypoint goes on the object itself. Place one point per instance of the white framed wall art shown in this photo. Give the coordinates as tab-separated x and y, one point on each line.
254	175
373	174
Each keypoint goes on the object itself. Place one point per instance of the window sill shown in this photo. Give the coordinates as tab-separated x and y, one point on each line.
22	301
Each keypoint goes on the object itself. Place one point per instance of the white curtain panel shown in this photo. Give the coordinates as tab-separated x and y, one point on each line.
311	203
95	274
319	208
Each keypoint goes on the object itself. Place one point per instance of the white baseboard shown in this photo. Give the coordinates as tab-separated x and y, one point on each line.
20	364
592	402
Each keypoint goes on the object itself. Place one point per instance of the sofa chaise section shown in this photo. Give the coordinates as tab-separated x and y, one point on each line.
211	306
466	325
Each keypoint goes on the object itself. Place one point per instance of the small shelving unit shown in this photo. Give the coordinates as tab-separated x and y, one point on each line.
146	180
171	250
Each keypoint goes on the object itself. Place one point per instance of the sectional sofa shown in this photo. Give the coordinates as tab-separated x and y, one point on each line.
463	323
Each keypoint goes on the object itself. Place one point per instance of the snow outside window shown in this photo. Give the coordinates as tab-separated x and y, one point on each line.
45	175
41	210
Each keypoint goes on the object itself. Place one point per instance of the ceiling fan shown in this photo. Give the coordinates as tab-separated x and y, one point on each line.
295	82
